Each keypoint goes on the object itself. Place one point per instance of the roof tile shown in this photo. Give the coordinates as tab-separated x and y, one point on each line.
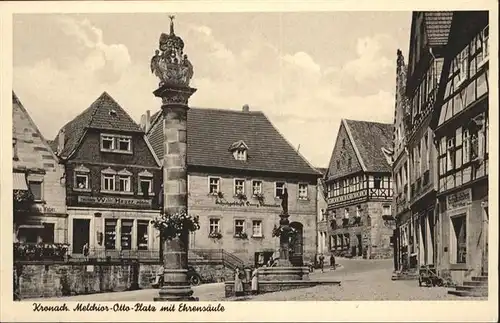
104	113
212	131
369	138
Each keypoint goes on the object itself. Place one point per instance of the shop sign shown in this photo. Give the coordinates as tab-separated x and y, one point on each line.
241	203
116	201
459	199
44	209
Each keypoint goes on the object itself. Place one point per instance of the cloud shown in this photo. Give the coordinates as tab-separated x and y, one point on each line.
304	61
107	61
369	63
304	99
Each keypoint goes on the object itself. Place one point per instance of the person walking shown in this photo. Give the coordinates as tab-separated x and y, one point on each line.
332	261
321	262
238	283
255	281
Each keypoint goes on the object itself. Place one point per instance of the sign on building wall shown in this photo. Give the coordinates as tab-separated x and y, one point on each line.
118	201
459	199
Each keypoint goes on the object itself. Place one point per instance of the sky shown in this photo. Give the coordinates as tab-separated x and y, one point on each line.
306	71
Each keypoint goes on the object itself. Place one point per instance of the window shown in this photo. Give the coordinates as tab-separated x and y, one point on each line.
463	65
214	183
256	187
485	45
145	185
126	232
349	162
343	143
377	182
108	182
358	211
450	156
36	189
256	228
124	144
214	225
110	234
239	226
303	195
241	155
14	149
386	210
124	183
427	152
82	181
239	186
338	164
115	143
47	233
142	234
107	143
279	189
346	213
459	242
466	146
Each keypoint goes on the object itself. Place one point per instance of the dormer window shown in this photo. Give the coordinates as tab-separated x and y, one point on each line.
241	155
116	143
239	150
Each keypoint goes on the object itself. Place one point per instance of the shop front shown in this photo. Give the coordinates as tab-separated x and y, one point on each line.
464	233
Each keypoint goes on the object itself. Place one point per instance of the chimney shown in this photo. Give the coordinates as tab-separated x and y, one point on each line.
148	120
143	123
60	144
245	108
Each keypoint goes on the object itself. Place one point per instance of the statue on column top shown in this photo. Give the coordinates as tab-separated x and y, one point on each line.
169	63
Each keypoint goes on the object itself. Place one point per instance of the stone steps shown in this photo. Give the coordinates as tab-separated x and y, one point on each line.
412	275
477	286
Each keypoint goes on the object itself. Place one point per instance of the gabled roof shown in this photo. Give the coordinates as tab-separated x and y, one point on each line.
212	131
105	114
368	139
46	152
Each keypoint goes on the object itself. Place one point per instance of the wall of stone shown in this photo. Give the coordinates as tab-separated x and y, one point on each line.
53	280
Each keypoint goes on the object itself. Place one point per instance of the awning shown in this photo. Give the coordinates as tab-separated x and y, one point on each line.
19	182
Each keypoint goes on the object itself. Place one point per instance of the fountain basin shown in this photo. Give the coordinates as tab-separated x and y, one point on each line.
277	285
283	273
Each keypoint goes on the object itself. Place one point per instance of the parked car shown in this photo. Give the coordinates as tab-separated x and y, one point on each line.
192	276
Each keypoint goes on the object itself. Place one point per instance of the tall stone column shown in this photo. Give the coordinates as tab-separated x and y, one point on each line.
175	71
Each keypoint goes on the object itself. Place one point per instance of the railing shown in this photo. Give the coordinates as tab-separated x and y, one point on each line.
113	255
218	256
40	251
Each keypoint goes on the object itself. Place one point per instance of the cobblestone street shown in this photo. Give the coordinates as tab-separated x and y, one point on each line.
363	280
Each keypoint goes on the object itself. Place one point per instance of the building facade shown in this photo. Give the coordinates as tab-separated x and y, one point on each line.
38	186
113	180
461	135
235	180
404	247
323	237
428	39
359	191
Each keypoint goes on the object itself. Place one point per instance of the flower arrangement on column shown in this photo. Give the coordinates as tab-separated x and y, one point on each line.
176	224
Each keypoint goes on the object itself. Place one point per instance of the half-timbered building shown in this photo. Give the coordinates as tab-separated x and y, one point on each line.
429	36
359	190
461	134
